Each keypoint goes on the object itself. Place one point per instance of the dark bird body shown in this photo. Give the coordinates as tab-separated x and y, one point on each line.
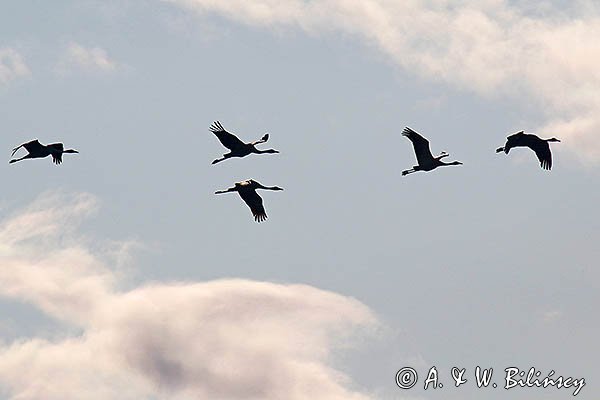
236	147
538	145
247	191
426	161
37	150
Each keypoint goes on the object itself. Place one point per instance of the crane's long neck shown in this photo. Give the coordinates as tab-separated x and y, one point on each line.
259	186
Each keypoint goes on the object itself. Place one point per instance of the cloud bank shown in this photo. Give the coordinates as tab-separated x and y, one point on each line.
12	65
224	339
544	55
91	59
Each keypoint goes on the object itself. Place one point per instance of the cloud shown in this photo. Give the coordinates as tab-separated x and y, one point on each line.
92	59
225	339
552	315
547	56
12	65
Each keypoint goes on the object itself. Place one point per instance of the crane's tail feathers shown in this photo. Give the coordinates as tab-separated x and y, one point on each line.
261	140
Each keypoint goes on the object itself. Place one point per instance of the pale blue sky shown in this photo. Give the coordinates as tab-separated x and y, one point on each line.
492	263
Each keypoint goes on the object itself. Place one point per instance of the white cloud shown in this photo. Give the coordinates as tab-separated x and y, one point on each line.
490	47
224	339
12	65
86	58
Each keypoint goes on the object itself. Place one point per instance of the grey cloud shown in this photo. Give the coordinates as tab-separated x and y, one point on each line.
12	65
226	339
492	48
91	59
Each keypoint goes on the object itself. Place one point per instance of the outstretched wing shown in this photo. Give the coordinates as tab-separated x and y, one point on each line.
515	136
228	140
56	150
543	153
32	147
420	144
515	140
254	201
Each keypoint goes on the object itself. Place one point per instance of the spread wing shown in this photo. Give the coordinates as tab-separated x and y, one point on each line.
32	147
420	145
515	140
56	150
542	151
228	140
254	201
515	136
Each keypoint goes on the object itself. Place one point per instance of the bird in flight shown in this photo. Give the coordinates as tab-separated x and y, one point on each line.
538	145
236	147
426	161
247	191
37	150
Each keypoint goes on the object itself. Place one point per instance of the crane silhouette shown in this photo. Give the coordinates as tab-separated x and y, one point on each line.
236	147
538	145
426	161
247	191
37	150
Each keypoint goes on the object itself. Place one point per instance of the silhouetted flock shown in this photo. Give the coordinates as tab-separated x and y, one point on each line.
247	189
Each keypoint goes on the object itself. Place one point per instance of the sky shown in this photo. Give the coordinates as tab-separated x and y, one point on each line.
123	276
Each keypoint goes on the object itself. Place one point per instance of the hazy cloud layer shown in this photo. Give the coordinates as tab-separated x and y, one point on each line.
544	55
12	65
225	339
93	59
